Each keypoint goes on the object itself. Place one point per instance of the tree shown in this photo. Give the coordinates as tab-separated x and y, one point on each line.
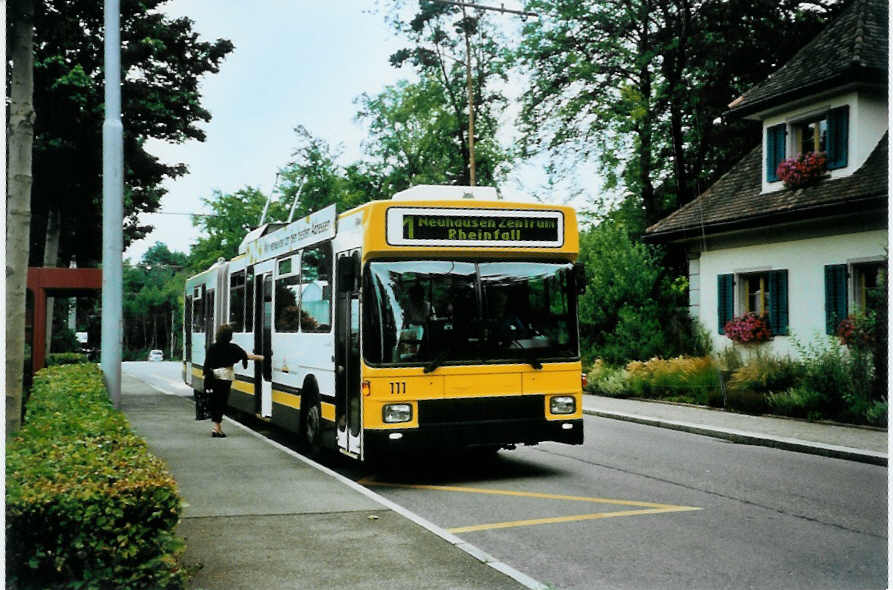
640	86
631	309
442	36
316	173
20	135
233	216
153	305
162	61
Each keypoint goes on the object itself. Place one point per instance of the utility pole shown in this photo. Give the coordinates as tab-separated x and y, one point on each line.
112	207
501	9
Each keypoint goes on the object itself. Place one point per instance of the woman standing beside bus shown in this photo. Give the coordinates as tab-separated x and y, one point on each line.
219	374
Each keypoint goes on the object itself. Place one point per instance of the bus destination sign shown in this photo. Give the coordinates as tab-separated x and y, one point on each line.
475	227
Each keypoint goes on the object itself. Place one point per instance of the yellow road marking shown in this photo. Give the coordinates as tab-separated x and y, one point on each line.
559	519
647	507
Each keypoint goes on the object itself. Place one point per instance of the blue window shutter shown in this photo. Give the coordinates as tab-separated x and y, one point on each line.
775	146
724	299
835	296
778	302
838	137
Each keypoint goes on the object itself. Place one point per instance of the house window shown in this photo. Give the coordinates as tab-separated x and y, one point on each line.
811	136
763	293
827	133
868	282
755	290
865	281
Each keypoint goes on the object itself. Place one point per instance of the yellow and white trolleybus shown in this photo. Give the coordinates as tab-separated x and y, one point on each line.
441	318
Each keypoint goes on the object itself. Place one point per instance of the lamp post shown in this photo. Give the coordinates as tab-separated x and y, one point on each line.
112	206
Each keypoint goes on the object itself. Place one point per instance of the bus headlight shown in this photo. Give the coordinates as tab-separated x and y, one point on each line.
562	404
393	413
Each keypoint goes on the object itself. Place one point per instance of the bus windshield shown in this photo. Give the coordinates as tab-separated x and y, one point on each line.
438	312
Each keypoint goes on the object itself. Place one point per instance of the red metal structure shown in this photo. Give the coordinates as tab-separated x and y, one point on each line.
55	282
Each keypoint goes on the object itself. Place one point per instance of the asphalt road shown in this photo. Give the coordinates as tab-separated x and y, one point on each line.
641	507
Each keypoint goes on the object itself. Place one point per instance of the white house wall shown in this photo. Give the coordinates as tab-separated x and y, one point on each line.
804	260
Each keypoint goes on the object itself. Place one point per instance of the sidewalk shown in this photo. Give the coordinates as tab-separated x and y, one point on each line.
830	440
258	515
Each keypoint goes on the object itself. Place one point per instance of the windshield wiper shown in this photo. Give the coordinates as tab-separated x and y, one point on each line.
437	361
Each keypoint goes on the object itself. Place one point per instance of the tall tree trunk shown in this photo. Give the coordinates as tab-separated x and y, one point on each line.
20	138
51	258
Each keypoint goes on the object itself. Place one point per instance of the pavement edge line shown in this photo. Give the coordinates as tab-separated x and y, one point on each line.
750	438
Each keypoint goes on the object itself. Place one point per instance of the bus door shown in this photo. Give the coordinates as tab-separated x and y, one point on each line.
348	397
263	332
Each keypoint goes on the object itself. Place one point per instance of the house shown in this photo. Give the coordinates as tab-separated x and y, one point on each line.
803	256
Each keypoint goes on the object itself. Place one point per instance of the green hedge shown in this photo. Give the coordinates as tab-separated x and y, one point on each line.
87	506
66	358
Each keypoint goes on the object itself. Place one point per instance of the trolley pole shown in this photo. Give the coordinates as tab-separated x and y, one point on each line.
112	207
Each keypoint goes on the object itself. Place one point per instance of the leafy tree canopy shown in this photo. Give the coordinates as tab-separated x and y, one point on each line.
440	37
232	217
640	86
162	61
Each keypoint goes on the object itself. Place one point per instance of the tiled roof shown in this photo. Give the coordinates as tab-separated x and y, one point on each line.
853	48
735	200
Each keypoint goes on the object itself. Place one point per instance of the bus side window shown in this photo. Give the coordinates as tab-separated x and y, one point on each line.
316	289
198	315
237	301
249	301
288	295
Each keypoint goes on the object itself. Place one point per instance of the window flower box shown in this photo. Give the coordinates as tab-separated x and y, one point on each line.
802	170
750	328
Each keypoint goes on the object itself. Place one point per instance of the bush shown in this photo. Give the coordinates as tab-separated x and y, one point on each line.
765	374
799	402
844	377
64	340
694	379
605	380
87	506
876	414
65	358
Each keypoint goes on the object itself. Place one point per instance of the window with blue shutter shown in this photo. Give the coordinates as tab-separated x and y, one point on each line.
835	296
838	137
778	302
724	300
775	148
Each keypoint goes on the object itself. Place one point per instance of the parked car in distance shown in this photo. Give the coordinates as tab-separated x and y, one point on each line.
156	355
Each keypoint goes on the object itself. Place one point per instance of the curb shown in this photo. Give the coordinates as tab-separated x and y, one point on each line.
752	438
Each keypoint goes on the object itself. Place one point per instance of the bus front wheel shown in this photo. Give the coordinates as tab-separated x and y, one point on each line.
311	422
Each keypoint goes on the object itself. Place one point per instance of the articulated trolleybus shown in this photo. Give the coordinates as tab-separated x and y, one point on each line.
441	318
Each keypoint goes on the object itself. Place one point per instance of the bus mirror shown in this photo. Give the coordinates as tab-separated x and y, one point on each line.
580	277
346	276
348	273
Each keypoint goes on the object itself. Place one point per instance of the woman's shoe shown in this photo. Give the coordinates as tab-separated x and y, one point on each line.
215	434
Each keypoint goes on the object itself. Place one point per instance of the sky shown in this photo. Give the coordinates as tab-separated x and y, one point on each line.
295	62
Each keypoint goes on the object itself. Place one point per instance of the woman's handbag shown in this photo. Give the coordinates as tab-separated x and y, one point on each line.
224	373
202	404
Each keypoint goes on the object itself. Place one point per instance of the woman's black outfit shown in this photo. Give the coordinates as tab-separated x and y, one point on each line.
221	355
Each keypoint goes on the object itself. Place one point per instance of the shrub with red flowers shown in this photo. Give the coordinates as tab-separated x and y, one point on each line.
802	170
857	331
749	328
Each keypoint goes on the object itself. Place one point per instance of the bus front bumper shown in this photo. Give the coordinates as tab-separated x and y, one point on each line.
487	433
